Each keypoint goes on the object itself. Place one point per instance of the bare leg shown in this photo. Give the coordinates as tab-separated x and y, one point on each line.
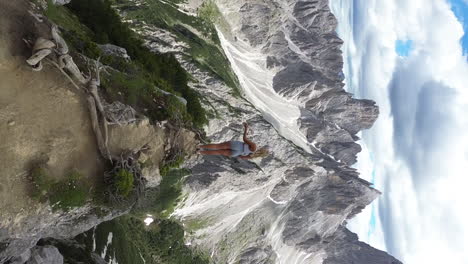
222	152
225	145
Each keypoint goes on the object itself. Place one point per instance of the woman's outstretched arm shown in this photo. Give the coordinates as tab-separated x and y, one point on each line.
252	146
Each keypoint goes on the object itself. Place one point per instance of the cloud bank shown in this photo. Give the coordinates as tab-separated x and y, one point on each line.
417	152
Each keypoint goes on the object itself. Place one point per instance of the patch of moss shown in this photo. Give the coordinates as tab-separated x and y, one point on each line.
64	194
69	193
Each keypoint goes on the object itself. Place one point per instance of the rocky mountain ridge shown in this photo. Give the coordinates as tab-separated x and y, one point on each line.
292	206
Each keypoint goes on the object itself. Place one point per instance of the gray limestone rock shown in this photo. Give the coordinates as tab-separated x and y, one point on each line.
302	50
114	50
44	223
21	259
255	255
60	2
345	248
45	255
292	206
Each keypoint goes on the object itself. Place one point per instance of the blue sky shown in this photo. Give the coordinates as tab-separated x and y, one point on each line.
460	9
411	58
403	48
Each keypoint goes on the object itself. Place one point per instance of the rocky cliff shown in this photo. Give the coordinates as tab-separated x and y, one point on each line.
292	206
44	120
298	58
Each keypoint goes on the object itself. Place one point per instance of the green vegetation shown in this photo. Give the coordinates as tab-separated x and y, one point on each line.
64	194
65	18
124	182
209	11
170	192
69	193
139	83
88	23
161	70
198	32
197	224
161	242
162	200
167	166
76	34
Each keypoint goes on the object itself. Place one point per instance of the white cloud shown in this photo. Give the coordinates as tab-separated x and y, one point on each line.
419	144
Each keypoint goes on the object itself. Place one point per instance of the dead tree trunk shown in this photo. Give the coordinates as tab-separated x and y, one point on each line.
97	130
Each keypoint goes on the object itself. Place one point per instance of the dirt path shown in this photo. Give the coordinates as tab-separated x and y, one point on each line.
42	118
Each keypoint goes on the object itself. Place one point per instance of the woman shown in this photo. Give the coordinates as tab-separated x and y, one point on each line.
243	150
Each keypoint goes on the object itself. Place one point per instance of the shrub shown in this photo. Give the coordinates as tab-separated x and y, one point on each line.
82	44
174	164
124	182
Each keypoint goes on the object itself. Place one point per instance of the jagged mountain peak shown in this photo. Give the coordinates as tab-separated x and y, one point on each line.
290	207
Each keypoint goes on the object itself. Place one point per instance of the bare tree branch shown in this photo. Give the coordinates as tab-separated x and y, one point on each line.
62	46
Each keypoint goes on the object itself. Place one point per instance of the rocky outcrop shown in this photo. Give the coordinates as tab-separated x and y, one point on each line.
74	251
44	223
48	124
157	140
60	2
40	255
113	50
346	248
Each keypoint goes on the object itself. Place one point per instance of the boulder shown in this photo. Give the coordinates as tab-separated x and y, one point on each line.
60	2
45	255
113	50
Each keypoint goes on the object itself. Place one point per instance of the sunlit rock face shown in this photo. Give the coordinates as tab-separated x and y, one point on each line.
297	57
292	206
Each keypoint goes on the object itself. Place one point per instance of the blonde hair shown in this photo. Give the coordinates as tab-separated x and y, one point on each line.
262	152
